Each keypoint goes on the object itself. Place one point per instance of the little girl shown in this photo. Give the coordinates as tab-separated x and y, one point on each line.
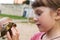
47	19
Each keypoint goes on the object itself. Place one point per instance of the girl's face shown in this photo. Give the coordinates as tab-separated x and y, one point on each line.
43	19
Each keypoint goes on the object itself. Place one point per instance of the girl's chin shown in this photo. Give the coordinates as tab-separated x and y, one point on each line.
42	30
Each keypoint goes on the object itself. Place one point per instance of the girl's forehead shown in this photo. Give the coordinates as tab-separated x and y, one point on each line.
42	8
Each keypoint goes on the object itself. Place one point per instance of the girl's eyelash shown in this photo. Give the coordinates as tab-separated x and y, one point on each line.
38	14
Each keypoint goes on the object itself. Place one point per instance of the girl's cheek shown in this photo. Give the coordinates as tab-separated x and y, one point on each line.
44	20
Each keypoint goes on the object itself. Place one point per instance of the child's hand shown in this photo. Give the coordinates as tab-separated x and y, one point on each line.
15	34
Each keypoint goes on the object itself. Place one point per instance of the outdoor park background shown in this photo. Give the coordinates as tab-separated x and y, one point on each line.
22	14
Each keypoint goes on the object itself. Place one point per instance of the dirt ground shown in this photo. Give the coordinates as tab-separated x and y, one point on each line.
26	30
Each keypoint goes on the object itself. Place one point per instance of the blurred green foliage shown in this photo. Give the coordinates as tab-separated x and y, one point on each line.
12	16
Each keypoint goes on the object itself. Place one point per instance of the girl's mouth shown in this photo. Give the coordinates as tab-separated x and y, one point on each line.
38	25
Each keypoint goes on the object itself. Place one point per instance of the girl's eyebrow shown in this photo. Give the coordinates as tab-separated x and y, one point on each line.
38	11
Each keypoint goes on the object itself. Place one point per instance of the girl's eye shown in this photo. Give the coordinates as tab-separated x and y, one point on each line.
38	14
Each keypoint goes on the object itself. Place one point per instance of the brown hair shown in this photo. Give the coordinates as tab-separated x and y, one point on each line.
50	3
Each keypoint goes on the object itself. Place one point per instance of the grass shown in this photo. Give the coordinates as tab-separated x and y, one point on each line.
12	16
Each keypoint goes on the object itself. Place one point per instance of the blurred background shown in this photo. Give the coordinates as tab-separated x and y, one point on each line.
22	14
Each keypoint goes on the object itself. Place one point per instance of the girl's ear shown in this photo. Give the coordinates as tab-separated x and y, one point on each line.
58	14
58	11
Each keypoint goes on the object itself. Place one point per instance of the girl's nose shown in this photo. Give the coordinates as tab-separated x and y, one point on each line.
35	20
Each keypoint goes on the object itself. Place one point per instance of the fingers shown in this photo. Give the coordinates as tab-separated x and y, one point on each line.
8	36
13	31
15	34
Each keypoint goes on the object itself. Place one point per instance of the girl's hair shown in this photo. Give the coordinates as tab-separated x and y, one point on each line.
49	3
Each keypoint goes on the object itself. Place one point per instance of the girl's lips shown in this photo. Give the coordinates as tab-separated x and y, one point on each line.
38	25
